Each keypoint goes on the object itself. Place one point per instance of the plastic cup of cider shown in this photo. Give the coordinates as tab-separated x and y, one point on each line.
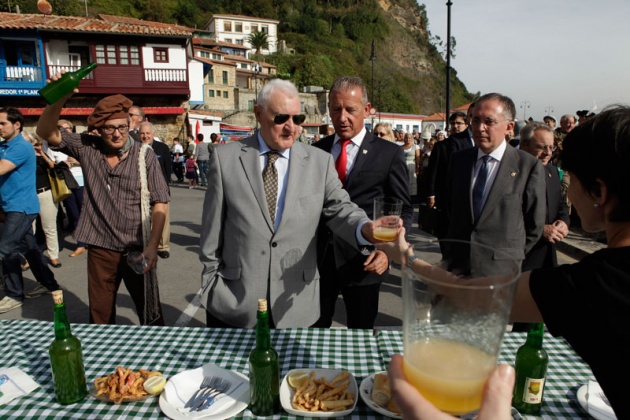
454	316
387	211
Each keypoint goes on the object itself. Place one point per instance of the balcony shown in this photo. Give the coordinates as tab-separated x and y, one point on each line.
21	77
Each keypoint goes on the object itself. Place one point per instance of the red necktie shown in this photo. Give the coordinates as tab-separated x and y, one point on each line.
342	161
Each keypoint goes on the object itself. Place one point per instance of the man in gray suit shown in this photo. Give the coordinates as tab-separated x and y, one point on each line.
497	193
258	234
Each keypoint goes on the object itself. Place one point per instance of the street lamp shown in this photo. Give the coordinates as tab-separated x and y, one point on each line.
449	3
525	105
257	71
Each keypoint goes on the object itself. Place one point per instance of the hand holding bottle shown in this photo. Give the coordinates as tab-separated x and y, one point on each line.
65	84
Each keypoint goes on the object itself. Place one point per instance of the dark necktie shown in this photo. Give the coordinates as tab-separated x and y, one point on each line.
342	161
270	182
479	187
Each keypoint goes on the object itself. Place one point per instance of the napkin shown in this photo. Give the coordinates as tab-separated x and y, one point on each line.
14	382
182	386
596	405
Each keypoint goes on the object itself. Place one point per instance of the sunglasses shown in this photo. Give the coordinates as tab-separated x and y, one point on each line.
282	118
380	133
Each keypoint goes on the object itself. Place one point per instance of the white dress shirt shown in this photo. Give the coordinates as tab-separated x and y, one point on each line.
352	149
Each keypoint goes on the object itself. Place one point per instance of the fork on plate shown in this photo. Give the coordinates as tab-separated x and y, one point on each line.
209	396
604	398
207	382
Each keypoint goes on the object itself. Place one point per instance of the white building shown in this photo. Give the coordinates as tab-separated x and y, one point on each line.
235	29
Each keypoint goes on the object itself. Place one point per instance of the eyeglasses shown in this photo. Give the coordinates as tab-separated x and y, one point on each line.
62	128
282	118
488	122
109	129
540	148
380	133
134	115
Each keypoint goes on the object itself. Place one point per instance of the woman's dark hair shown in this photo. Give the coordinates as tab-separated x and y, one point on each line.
599	148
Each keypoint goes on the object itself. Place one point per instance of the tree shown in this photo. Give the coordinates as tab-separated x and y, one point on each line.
259	41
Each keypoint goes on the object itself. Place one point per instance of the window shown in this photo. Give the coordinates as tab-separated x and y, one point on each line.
225	94
216	56
238	27
204	54
229	40
117	54
227	26
225	77
239	42
254	27
218	93
160	55
265	29
211	93
243	66
211	76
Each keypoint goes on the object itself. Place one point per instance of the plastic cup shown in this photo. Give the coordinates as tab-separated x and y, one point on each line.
387	211
137	261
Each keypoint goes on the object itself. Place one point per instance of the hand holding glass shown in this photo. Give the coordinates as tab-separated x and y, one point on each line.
387	211
453	327
137	261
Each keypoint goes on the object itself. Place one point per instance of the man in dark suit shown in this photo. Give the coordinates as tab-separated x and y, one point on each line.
497	193
537	139
163	153
369	167
436	175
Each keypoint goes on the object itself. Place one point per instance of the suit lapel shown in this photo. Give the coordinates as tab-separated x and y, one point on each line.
506	174
362	155
295	183
250	156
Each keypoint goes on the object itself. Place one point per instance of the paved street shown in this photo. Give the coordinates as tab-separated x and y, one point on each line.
179	276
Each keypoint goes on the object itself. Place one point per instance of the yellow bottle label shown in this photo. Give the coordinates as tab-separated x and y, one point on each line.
533	392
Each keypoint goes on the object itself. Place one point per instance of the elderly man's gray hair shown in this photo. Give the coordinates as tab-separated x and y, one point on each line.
273	86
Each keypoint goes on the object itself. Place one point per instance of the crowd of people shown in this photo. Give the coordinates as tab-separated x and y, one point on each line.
291	221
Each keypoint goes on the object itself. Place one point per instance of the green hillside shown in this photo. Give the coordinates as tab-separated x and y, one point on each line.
329	37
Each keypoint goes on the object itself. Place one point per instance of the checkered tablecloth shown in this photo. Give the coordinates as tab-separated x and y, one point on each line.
175	349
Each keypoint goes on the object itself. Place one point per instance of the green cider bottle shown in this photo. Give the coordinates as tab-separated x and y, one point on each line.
66	358
264	369
69	81
531	369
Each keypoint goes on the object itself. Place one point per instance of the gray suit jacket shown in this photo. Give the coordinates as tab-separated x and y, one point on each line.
241	253
513	217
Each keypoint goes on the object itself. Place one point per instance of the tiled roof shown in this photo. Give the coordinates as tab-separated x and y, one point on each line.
241	17
104	24
216	42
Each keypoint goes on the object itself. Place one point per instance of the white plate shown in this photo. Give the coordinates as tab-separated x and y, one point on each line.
366	395
582	397
286	393
231	411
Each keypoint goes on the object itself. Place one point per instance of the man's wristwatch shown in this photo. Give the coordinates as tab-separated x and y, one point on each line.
410	260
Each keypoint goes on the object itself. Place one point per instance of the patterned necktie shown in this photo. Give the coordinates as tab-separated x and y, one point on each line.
342	161
479	187
270	182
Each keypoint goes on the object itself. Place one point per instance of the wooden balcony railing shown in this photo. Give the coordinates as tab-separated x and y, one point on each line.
21	74
165	75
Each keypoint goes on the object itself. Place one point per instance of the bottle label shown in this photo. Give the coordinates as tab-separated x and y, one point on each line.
533	392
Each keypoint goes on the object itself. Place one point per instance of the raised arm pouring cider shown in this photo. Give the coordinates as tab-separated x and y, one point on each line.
66	358
264	370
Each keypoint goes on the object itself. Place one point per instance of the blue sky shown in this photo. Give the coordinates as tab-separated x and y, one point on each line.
565	54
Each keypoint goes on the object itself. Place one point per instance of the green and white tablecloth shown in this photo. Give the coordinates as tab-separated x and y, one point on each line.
175	349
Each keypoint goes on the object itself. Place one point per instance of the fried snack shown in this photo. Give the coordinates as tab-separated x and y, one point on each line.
381	394
124	384
320	395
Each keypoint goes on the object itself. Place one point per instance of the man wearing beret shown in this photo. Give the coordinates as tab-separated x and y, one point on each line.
114	219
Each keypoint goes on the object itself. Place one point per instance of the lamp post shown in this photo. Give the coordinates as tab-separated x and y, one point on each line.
257	71
525	105
449	3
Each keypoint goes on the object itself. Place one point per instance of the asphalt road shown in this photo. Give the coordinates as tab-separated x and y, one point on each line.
179	276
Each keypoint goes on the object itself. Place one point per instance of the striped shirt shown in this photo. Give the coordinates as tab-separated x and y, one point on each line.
111	214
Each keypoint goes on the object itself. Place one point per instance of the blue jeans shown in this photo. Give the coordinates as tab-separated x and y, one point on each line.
18	233
203	171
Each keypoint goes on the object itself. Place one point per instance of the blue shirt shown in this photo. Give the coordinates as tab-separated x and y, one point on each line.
17	188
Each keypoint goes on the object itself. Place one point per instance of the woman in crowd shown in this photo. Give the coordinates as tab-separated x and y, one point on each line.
412	158
48	207
384	131
74	202
587	303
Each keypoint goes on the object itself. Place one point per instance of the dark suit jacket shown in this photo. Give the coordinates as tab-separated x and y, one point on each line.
163	154
513	216
436	175
543	254
379	170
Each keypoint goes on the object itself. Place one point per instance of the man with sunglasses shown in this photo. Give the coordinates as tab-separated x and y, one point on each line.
260	219
369	167
114	220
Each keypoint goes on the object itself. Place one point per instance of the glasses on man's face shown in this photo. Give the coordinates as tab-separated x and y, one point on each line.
62	128
134	115
109	129
282	118
541	148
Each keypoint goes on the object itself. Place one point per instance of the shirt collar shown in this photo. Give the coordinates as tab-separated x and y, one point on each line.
358	139
496	154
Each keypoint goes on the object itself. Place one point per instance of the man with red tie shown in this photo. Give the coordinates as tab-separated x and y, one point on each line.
368	167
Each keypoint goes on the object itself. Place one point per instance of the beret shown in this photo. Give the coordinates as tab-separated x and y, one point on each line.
109	108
